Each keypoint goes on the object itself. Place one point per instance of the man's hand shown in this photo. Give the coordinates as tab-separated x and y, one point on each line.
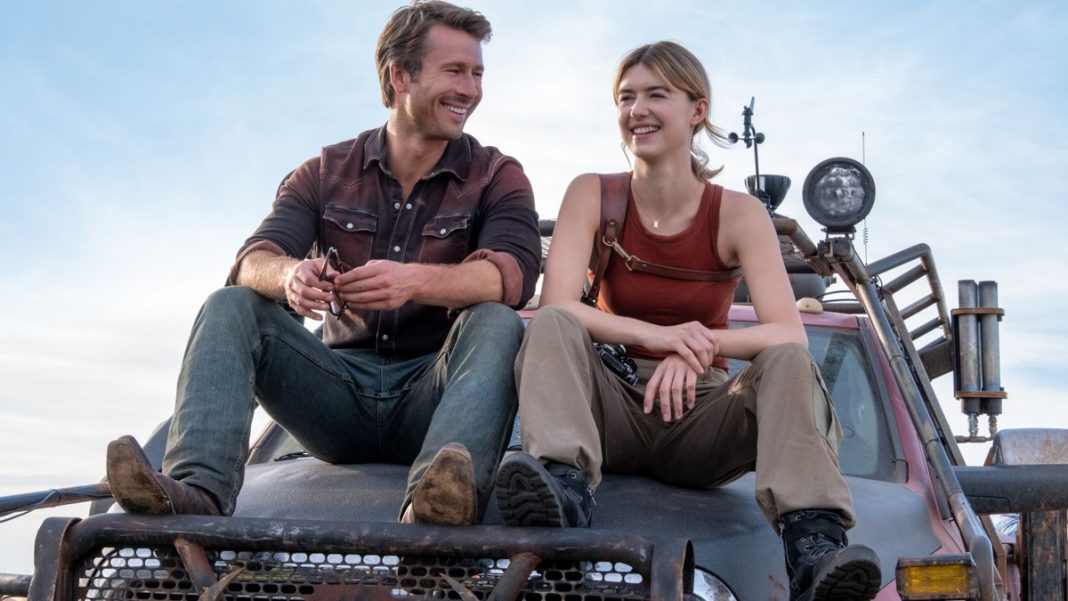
378	285
691	341
305	292
674	384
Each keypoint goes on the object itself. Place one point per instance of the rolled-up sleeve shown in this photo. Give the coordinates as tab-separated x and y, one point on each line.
508	236
511	274
292	225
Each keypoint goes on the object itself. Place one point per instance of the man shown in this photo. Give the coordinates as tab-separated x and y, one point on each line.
421	239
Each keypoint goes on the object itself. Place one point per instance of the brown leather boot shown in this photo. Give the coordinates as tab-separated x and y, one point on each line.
446	494
140	489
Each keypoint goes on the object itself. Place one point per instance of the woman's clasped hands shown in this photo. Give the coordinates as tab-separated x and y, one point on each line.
673	385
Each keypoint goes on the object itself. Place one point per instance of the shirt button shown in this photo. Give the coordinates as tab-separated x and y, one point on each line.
385	337
442	232
396	205
408	206
349	226
396	249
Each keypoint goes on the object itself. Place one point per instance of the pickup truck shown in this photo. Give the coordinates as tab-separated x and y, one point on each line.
311	531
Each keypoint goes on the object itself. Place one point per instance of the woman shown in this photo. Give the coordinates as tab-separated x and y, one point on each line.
683	422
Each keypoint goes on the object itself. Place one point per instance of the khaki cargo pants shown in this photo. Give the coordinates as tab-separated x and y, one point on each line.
774	416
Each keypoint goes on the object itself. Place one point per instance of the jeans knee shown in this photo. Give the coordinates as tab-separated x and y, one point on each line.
495	315
238	299
498	322
491	311
240	309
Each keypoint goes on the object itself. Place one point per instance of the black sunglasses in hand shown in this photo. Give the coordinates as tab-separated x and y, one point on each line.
337	307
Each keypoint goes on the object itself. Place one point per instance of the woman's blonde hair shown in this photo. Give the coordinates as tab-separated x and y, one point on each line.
681	69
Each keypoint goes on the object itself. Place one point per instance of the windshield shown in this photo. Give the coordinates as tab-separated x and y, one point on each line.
843	360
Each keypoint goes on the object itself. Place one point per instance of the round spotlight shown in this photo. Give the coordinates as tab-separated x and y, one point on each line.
838	194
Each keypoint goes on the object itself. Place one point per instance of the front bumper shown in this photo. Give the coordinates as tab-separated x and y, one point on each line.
191	558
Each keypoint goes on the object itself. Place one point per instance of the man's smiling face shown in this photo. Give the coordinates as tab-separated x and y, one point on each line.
436	102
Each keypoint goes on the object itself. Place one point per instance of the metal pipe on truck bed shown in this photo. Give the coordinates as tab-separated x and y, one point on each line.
989	344
968	343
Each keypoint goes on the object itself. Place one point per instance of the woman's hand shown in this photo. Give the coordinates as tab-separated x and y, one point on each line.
674	384
691	341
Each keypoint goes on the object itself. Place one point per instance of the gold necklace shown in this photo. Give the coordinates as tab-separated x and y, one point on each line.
645	209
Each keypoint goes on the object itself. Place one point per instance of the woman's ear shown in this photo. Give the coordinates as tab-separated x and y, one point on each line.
700	111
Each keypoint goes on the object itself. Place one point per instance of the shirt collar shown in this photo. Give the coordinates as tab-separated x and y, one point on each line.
455	160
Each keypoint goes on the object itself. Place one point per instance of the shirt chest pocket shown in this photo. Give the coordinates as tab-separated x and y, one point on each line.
351	232
446	239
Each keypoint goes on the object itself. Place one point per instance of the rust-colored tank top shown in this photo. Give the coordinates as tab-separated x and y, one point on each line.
667	301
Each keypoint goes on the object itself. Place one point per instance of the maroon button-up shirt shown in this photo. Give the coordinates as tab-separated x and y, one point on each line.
476	204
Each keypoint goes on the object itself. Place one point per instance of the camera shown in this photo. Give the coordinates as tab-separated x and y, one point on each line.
615	357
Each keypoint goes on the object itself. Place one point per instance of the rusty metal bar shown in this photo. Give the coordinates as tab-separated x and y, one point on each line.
905	279
897	259
918	306
1042	538
515	577
1015	488
968	342
925	328
922	252
989	345
196	564
457	586
937	357
672	578
788	227
216	591
849	307
14	585
797	266
50	548
417	539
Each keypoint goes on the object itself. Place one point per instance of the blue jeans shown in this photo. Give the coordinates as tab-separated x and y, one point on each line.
343	405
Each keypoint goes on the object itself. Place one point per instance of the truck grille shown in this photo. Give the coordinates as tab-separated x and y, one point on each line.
196	558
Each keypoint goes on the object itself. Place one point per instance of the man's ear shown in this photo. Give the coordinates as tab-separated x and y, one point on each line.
399	78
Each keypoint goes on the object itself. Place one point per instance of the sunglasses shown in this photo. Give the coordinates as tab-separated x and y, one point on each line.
334	261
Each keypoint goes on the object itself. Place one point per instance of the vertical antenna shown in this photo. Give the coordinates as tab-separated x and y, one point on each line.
863	161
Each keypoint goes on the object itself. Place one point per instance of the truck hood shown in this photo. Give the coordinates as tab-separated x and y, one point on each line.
731	537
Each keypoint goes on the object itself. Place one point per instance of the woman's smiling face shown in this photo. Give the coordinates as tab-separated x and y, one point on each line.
655	117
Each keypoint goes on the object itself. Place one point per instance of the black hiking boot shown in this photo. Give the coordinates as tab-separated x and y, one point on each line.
822	565
530	494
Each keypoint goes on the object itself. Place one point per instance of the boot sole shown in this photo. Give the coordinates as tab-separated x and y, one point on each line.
853	576
133	481
446	494
524	494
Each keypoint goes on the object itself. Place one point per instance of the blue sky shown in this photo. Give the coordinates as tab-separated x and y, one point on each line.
143	142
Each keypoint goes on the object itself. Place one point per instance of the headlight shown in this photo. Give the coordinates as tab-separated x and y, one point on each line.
708	587
838	194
